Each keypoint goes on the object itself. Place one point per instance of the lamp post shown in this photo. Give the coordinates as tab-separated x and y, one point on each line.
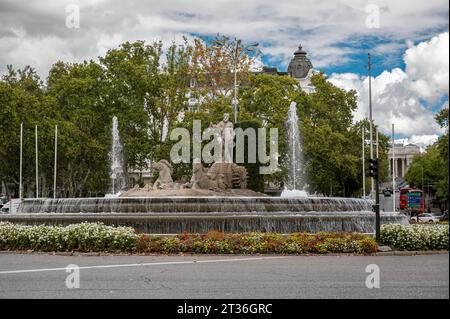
21	162
393	170
422	177
370	116
37	160
235	50
363	164
56	161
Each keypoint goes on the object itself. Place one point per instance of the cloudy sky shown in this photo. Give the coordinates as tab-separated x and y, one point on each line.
408	39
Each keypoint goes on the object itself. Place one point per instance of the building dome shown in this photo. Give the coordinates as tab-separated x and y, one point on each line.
300	65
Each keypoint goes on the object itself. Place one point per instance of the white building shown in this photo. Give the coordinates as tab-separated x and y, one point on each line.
299	68
404	155
302	69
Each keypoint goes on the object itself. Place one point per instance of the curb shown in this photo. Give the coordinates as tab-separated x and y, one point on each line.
98	254
411	253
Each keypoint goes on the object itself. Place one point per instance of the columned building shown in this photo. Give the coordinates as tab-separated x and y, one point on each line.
404	155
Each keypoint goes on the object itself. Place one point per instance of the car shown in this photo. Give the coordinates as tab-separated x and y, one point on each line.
387	192
424	218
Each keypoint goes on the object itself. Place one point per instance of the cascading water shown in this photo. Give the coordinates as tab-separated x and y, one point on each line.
118	181
177	214
295	180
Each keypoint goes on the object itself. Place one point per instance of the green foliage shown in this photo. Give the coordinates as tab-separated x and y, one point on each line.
84	237
259	243
23	100
433	164
415	237
255	179
148	92
331	141
442	185
96	237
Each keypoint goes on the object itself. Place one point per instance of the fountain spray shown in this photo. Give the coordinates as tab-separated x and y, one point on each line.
118	182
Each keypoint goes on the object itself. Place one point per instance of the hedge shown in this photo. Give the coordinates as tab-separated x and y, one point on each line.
84	237
97	237
259	243
415	237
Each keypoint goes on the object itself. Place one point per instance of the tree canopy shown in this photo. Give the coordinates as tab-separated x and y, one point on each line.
430	168
152	91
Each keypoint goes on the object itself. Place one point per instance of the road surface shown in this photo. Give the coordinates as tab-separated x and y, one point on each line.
45	276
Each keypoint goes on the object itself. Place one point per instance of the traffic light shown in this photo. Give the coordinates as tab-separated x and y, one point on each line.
373	167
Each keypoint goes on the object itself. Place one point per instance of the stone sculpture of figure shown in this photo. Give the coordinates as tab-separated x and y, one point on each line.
226	138
165	170
202	180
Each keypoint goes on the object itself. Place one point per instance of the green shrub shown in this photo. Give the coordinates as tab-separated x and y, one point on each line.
260	243
415	237
85	237
89	237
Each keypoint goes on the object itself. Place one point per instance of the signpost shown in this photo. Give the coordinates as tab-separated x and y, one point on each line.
373	172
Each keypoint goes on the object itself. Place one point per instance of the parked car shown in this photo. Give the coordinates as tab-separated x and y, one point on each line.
425	218
387	192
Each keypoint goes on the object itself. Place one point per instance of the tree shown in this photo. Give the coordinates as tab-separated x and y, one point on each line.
23	100
433	164
151	94
331	154
133	89
442	188
83	137
255	180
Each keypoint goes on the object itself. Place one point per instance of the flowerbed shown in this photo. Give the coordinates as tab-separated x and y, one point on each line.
259	243
84	237
97	237
415	237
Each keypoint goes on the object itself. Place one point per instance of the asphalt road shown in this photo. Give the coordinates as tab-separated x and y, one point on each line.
44	276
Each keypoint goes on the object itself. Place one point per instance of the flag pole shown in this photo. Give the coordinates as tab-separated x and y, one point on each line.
21	162
56	157
37	161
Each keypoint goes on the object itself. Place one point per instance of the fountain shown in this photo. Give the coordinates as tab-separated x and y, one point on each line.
216	198
295	183
118	181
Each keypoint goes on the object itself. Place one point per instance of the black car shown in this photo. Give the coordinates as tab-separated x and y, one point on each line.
387	192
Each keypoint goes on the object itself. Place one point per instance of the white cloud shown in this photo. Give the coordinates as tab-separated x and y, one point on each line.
401	97
279	25
421	140
34	33
427	65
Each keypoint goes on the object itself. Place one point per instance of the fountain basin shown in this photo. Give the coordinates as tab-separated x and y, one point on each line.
313	222
173	215
188	204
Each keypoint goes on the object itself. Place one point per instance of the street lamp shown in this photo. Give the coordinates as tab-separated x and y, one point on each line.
423	189
422	177
235	50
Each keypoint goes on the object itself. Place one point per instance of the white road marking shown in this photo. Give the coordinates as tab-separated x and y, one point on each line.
142	264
